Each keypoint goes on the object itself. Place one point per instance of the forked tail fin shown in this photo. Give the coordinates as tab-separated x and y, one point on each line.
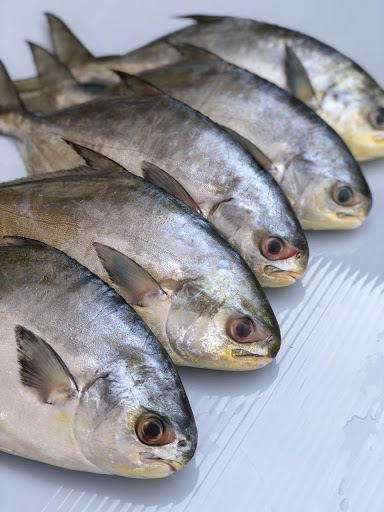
12	109
67	46
9	98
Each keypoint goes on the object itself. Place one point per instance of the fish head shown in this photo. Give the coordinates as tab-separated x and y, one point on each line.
327	188
135	420
226	325
355	109
264	230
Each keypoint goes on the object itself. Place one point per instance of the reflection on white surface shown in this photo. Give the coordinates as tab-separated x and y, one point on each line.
306	433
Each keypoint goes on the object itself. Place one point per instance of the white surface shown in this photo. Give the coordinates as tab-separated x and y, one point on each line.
305	433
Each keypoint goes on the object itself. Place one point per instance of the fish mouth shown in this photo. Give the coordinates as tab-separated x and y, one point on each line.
246	355
240	352
352	221
276	272
173	465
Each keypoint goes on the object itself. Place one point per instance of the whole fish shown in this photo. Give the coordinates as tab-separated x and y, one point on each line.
193	291
306	157
84	384
338	89
155	132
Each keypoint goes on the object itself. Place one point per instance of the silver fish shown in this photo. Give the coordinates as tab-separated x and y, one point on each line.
155	131
306	157
338	89
84	384
193	291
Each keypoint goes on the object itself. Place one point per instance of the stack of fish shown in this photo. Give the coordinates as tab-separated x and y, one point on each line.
166	187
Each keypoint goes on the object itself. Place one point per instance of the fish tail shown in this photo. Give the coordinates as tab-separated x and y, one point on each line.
67	46
12	110
27	84
53	77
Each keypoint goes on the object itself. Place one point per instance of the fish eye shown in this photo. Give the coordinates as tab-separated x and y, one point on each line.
241	329
343	195
151	430
274	248
376	118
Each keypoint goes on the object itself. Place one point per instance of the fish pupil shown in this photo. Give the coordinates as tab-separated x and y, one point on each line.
274	246
243	329
380	117
152	430
344	195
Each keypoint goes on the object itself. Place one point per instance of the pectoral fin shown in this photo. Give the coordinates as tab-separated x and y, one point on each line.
41	368
161	179
137	283
257	154
298	80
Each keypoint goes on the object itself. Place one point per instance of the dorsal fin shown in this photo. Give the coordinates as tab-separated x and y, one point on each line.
138	86
9	98
137	284
96	161
41	368
161	179
297	78
82	170
51	71
67	46
193	53
202	18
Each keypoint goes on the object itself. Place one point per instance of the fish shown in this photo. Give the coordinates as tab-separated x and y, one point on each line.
306	157
333	85
84	385
195	293
151	133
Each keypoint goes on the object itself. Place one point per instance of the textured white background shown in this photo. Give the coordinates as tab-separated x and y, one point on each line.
305	434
